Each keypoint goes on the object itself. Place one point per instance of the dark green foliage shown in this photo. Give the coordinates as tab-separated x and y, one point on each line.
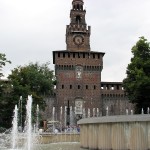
3	61
137	82
32	79
4	88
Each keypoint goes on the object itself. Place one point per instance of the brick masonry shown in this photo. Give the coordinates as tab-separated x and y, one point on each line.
78	72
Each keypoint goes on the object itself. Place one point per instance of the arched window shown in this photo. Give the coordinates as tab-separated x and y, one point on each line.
78	19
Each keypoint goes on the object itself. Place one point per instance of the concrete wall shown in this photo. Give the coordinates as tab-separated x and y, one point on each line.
116	133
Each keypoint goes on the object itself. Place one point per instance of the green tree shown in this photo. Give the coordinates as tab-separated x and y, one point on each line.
137	82
32	79
5	104
3	90
3	61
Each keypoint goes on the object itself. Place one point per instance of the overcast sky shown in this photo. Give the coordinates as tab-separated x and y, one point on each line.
31	29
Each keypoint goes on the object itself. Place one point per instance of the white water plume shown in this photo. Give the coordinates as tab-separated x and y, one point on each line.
29	123
15	128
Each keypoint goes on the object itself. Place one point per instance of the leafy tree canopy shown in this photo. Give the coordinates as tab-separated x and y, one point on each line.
3	87
137	82
33	79
3	61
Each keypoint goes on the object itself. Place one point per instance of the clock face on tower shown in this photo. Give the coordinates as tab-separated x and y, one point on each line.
78	40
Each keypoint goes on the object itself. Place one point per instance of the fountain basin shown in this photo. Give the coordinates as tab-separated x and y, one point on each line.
47	138
52	146
44	141
115	132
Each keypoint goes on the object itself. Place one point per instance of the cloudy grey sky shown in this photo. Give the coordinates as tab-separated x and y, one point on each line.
31	29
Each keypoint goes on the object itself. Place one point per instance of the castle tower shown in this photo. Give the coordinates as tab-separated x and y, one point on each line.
77	34
78	70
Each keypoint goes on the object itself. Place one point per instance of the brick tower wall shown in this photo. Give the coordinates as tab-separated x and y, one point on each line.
69	87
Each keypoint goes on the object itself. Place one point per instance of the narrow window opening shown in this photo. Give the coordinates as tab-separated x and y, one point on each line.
70	86
117	87
64	67
83	55
86	86
68	55
79	87
78	19
73	55
93	55
78	55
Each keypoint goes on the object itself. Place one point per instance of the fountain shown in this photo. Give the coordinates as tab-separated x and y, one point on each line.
107	111
15	128
131	112
53	117
97	112
20	113
16	137
127	112
148	110
30	140
84	114
142	111
109	132
37	118
93	112
61	112
89	113
65	119
29	123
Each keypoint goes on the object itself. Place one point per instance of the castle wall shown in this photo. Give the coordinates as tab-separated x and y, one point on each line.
114	98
